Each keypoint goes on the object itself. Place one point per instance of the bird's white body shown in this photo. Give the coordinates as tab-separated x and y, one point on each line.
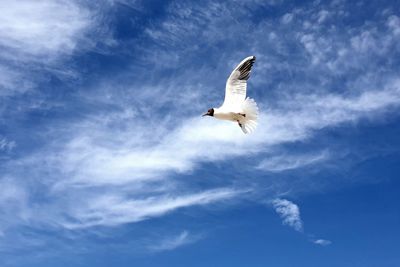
227	115
236	106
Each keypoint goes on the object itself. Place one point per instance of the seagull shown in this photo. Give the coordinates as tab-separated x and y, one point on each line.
236	106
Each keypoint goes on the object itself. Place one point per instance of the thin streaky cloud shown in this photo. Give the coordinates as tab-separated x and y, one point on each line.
114	210
322	242
290	162
6	145
173	242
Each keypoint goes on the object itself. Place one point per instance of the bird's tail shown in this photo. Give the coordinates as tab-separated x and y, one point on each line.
249	122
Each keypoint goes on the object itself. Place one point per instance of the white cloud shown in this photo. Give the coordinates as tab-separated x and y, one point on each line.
393	23
13	204
37	35
290	162
12	81
6	145
364	42
196	140
322	16
287	18
173	242
289	212
42	28
114	209
322	242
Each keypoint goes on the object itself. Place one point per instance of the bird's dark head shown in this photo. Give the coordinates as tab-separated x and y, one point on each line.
210	112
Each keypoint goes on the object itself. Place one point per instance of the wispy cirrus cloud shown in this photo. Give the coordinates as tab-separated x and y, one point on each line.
13	204
196	140
322	242
290	162
36	36
33	29
6	145
173	242
111	210
12	81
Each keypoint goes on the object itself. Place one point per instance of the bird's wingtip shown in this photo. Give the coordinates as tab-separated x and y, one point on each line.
250	58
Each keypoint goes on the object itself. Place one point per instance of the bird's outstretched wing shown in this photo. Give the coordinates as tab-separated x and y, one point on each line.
236	85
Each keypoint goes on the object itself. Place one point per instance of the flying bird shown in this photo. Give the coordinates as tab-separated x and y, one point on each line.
236	106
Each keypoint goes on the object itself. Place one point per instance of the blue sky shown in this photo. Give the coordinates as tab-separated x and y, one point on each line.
105	160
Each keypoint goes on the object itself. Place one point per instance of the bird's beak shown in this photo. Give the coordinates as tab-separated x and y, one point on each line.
205	114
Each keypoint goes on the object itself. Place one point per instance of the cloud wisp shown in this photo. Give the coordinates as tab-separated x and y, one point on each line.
289	212
174	242
113	210
291	162
322	242
6	145
37	37
42	28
